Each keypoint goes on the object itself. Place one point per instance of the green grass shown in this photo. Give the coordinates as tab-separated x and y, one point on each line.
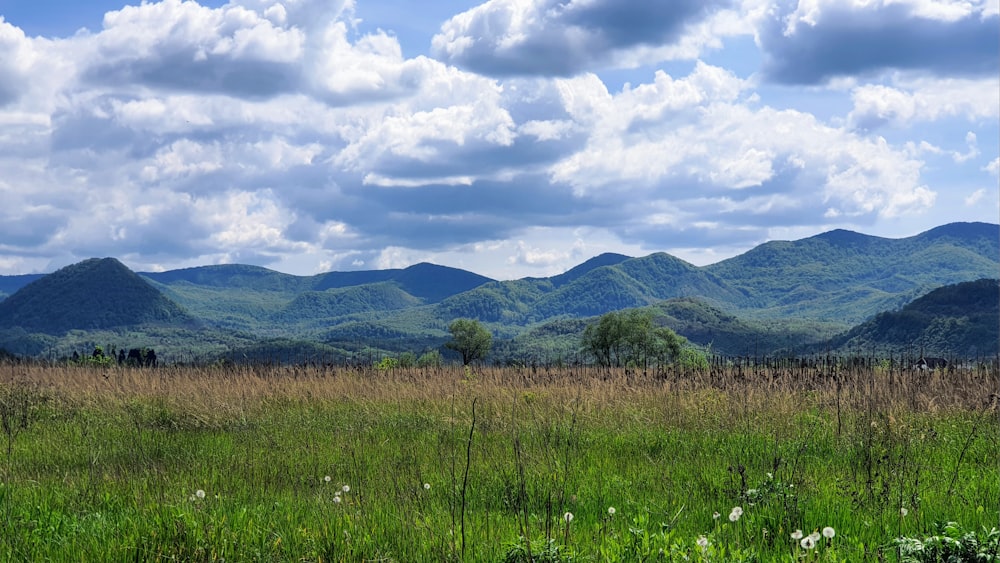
105	466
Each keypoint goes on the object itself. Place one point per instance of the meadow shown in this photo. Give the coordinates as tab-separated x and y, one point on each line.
271	463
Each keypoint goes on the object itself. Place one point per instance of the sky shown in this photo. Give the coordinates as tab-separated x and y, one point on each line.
510	138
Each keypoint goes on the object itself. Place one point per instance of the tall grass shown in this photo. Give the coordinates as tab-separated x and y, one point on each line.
485	464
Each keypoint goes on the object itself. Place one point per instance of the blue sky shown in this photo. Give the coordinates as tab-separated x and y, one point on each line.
509	137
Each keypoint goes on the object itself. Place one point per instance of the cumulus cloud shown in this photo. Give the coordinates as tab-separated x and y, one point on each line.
276	133
550	37
913	100
700	139
820	40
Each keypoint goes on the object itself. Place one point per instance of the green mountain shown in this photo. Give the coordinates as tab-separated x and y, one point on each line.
322	306
251	298
92	295
960	320
782	295
847	276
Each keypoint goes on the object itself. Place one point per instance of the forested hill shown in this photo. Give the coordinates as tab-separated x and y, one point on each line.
960	320
816	286
93	294
851	276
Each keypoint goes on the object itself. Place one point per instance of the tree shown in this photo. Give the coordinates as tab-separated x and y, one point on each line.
470	339
630	338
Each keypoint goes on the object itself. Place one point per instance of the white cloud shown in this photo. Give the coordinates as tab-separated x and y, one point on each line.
719	143
278	133
916	100
975	197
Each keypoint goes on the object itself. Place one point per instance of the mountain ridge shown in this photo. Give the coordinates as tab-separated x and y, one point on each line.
829	282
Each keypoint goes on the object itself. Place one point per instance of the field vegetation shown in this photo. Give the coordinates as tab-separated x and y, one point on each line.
792	462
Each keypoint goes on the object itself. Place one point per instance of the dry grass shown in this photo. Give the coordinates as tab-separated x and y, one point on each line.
216	394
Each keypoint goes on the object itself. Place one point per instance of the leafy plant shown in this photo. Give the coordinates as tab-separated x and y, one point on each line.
951	544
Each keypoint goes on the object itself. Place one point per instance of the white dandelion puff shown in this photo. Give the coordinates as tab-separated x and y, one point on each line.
808	542
611	511
903	511
336	498
427	486
702	542
735	514
346	488
568	517
796	535
327	479
200	494
829	532
716	516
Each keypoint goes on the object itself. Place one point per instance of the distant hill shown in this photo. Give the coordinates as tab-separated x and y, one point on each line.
429	282
848	276
782	295
251	298
91	295
10	284
232	277
960	320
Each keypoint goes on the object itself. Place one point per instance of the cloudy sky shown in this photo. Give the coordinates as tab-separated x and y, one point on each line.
508	137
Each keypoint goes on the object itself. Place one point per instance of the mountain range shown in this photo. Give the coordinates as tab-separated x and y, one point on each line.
781	295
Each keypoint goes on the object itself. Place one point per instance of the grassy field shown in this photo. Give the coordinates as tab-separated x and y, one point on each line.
336	464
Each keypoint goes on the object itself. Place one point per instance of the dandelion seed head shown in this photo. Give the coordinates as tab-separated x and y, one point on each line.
327	479
797	535
829	532
336	498
808	542
427	486
736	513
814	537
611	510
568	517
346	488
903	511
702	542
199	493
716	516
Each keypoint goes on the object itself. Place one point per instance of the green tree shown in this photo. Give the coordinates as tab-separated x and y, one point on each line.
470	339
630	338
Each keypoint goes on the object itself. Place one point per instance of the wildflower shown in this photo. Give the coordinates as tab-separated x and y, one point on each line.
427	486
200	494
346	488
808	542
568	517
611	511
327	478
702	542
336	499
797	535
903	511
828	532
715	515
192	498
735	514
